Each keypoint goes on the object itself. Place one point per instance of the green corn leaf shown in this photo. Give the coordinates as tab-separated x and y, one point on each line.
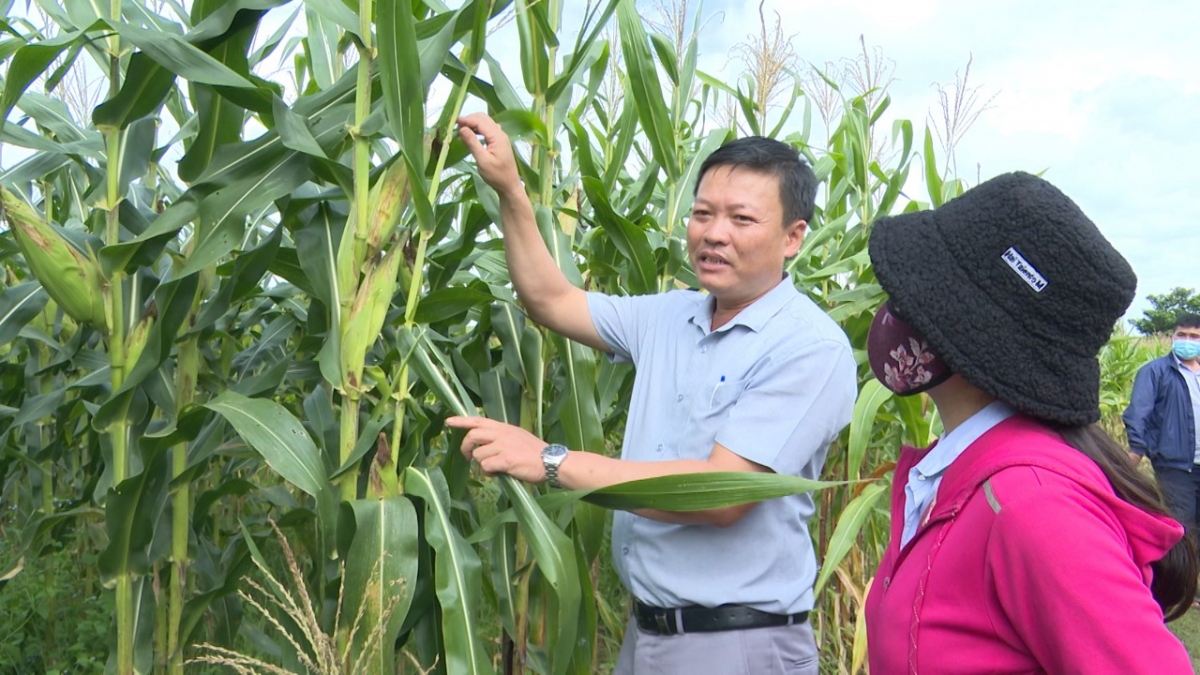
501	397
862	422
219	122
335	12
933	180
435	50
131	514
433	369
181	57
845	533
702	491
381	574
39	407
535	60
53	115
452	303
222	212
554	555
19	304
509	324
583	51
278	436
294	132
504	573
457	575
401	82
137	143
30	62
629	239
322	39
643	85
174	302
145	88
665	50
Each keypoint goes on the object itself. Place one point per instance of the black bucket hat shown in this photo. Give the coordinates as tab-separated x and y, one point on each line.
1014	287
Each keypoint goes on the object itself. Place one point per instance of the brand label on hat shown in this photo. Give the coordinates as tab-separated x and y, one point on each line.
1022	267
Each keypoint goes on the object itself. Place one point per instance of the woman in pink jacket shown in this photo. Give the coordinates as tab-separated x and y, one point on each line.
1024	540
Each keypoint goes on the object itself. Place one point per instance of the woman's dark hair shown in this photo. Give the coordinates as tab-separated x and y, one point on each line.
1174	584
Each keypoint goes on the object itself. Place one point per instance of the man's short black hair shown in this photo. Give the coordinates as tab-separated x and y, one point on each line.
1187	320
797	184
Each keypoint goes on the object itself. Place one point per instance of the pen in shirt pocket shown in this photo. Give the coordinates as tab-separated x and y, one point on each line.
713	399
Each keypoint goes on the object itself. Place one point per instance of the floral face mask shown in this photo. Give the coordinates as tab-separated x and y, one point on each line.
900	358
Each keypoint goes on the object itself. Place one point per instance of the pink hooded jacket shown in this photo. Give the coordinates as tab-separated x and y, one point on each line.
1028	563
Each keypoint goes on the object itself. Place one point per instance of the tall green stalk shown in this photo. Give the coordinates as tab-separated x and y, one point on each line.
351	391
118	432
187	371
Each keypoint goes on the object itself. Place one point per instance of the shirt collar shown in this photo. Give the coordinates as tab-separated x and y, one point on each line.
756	315
954	443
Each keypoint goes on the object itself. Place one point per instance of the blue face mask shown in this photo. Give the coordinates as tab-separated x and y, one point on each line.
1186	350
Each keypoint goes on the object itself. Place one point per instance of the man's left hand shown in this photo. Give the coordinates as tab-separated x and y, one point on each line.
501	448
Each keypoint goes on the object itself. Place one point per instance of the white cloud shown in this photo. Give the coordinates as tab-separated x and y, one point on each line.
1102	96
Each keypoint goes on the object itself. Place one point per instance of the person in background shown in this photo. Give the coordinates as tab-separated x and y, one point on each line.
1023	540
1162	417
751	376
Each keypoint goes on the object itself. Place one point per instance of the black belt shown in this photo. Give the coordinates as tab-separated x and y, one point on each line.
695	619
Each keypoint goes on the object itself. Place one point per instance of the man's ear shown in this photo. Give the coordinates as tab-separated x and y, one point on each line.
794	233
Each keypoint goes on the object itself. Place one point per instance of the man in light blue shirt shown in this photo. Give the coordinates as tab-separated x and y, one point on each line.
750	376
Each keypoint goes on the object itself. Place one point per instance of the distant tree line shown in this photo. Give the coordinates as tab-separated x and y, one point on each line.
1165	308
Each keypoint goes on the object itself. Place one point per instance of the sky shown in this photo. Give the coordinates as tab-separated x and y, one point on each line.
1102	97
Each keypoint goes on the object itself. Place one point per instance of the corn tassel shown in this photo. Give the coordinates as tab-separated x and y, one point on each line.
70	277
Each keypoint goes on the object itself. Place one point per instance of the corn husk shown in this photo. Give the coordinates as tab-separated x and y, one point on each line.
74	280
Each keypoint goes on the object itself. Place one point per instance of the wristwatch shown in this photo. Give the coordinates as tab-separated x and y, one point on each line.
552	457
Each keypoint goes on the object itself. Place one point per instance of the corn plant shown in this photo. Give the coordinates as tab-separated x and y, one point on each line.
231	301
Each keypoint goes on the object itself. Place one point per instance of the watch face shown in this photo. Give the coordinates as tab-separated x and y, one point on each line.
555	450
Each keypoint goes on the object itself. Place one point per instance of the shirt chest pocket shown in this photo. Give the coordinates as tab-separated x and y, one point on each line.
716	398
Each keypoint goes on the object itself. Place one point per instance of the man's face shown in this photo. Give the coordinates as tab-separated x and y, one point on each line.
737	240
1186	333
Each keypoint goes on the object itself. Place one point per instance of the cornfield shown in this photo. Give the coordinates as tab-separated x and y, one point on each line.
237	309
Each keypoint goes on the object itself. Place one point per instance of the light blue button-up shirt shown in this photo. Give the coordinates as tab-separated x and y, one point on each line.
1193	387
774	385
926	476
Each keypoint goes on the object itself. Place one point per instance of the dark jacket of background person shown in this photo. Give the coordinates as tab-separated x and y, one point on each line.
1159	420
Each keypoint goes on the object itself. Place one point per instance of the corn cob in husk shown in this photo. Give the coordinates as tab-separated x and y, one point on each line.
385	203
367	315
70	277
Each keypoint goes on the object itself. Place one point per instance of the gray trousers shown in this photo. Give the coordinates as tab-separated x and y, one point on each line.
782	650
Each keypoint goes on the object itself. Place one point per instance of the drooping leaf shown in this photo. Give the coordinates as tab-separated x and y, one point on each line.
457	575
554	555
181	57
277	435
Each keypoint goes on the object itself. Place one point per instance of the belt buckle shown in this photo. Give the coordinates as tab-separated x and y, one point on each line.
660	620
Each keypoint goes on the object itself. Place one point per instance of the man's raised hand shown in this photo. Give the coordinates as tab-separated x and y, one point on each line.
494	155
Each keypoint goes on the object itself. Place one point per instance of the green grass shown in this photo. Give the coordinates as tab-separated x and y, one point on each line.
1188	630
